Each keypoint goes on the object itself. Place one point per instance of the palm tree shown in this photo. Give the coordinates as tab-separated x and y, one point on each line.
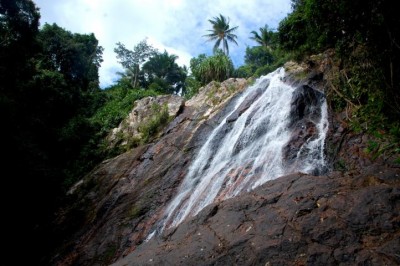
221	33
266	37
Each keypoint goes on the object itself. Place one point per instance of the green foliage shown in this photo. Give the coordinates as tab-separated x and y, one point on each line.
119	100
150	69
76	56
148	129
136	211
258	56
152	126
340	165
364	35
292	35
261	61
49	79
192	87
395	130
132	60
264	58
380	147
267	38
195	62
244	71
358	87
163	73
264	70
218	68
19	21
372	146
140	53
130	76
221	33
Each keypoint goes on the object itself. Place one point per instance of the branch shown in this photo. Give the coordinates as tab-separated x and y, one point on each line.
341	95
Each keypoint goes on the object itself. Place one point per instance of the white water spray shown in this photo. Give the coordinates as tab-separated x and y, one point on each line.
247	151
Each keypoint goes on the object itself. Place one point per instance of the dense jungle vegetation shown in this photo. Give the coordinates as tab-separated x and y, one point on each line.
55	116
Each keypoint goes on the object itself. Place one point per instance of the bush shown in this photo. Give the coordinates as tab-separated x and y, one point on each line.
218	68
119	101
192	87
152	126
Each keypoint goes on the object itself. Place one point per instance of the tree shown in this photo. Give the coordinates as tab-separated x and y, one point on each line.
164	73
221	33
47	78
265	38
261	55
76	56
130	75
258	56
19	21
132	60
195	63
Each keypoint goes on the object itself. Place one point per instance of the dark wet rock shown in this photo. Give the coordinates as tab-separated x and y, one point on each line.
305	114
305	105
294	220
248	101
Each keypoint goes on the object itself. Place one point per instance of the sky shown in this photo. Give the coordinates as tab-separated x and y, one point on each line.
176	26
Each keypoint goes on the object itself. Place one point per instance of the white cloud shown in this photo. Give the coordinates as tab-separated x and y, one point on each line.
183	57
174	25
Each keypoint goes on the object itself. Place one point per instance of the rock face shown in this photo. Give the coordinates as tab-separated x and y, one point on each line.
298	219
304	117
347	215
115	206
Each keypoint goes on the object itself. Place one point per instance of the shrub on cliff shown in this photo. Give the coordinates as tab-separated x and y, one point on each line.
218	67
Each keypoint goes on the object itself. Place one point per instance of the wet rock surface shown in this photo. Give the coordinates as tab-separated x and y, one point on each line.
346	219
305	114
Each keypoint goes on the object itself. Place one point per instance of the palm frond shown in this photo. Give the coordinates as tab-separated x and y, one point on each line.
221	32
226	47
232	39
231	29
216	45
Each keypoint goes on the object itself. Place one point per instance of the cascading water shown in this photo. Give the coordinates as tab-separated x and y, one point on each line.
251	146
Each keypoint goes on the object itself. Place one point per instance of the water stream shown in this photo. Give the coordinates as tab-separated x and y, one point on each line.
247	149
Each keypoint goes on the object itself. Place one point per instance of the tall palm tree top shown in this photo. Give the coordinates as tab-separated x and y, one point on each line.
265	39
221	33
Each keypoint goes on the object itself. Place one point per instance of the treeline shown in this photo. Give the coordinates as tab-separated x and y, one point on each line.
48	90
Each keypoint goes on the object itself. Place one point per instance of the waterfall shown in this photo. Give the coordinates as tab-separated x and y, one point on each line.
274	129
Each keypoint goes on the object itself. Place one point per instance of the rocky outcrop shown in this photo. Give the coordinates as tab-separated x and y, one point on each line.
144	109
337	219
